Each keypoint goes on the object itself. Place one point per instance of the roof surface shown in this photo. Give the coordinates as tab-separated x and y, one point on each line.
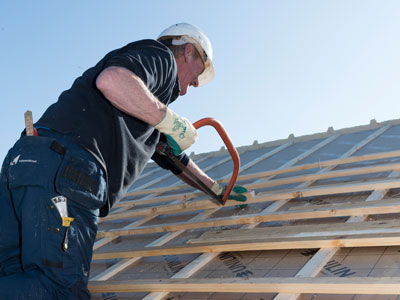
321	220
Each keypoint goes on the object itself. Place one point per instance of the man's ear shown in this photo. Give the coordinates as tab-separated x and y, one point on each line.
188	53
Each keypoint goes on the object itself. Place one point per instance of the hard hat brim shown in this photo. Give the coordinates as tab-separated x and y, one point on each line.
207	75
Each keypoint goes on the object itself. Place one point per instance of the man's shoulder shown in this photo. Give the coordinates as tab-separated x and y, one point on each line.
141	52
147	43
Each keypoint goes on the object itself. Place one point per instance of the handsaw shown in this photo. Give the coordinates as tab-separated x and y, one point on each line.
164	149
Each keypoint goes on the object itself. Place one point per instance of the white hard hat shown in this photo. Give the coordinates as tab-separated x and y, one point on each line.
186	33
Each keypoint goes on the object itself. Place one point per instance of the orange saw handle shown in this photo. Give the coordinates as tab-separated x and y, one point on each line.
229	145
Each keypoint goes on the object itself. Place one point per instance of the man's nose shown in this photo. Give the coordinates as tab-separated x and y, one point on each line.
195	83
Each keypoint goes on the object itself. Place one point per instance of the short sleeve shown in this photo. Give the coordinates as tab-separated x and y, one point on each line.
153	64
129	60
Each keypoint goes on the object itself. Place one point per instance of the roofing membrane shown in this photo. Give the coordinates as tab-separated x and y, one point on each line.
321	222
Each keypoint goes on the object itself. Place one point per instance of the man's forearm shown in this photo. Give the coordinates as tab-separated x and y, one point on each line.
199	174
128	93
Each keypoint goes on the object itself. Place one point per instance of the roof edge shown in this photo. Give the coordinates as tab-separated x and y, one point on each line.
373	124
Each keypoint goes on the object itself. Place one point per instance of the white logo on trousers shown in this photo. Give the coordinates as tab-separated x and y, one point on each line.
17	160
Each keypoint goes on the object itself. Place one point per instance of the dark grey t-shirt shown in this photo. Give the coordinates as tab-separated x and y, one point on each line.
121	143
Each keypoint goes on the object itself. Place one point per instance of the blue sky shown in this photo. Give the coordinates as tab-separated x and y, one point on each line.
282	67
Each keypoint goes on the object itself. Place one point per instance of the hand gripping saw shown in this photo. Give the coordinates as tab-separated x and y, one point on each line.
164	149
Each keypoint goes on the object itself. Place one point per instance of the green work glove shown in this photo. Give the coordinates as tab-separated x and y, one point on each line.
180	133
175	148
235	194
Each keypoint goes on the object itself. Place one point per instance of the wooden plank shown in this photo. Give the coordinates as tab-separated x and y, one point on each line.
362	240
319	285
115	269
105	240
321	258
118	267
297	231
158	199
28	123
264	197
327	175
186	272
379	207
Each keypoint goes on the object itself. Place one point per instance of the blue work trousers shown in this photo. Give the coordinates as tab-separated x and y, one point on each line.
40	257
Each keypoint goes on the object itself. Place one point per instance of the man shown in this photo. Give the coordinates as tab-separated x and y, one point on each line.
91	145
